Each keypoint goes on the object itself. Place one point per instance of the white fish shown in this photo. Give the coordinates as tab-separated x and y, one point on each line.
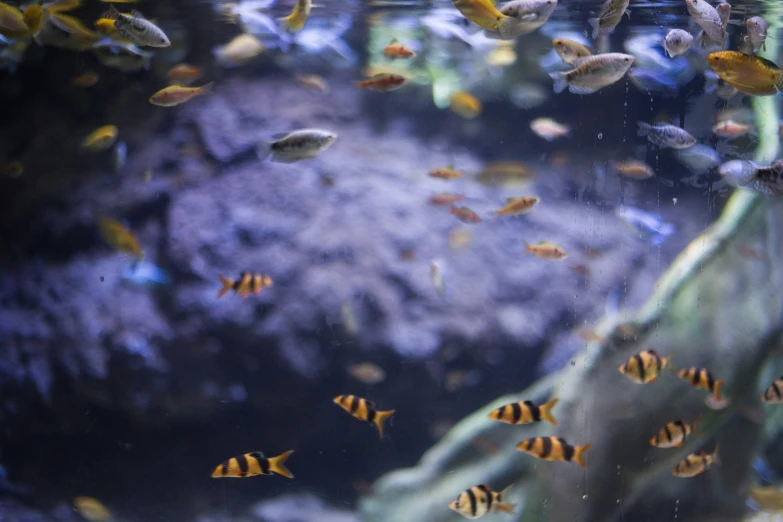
677	42
527	95
611	14
549	129
708	18
530	15
664	135
137	29
592	73
436	275
648	224
296	146
757	32
238	51
699	158
748	174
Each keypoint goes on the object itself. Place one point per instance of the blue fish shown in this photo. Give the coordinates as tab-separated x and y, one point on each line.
143	273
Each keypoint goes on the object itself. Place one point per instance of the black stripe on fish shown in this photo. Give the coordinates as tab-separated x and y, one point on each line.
568	451
640	365
354	403
516	410
472	497
546	447
243	466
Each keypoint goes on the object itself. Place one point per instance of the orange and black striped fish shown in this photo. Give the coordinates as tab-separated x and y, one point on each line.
524	412
645	366
554	448
363	410
695	464
774	393
674	434
246	283
480	500
252	464
701	379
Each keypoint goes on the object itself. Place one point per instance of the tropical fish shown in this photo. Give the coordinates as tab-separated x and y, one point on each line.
367	372
634	169
503	172
650	225
383	82
87	79
465	214
253	464
62	6
100	139
645	366
708	18
569	50
107	27
245	284
549	129
239	51
730	129
314	82
92	509
664	135
517	206
143	273
363	410
677	42
747	73
446	173
121	55
528	16
554	448
174	95
701	379
460	238
674	434
397	51
12	169
611	13
34	18
757	32
546	250
12	23
294	22
296	146
774	393
484	13
436	276
445	198
479	500
119	237
464	105
592	73
767	498
695	463
524	412
137	29
184	73
79	37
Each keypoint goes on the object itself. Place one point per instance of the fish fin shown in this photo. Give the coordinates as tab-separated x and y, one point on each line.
506	26
560	81
263	150
111	13
764	46
207	88
644	128
628	12
579	454
594	23
718	385
546	412
380	419
581	90
137	14
505	507
228	284
394	41
277	464
529	17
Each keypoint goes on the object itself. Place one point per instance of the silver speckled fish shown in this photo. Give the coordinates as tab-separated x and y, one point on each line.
137	29
592	73
611	13
757	32
677	42
708	18
665	135
296	146
747	174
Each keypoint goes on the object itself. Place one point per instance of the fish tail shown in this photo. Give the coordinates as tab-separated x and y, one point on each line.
505	507
277	464
228	284
263	150
207	88
718	385
579	454
594	23
715	458
380	418
644	128
546	412
560	81
506	26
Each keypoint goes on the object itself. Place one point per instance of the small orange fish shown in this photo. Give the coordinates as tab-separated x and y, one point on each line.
178	94
367	372
87	79
314	82
465	105
645	366
119	237
554	448
730	129
12	169
446	198
695	464
701	379
363	410
634	169
446	173
184	73
397	51
383	82
246	283
465	215
517	206
590	336
253	464
546	250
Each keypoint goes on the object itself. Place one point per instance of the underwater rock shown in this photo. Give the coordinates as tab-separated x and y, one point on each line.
302	507
716	307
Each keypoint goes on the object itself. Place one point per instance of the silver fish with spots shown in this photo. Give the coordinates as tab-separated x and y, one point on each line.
296	146
664	135
757	32
592	73
748	174
708	18
137	29
611	13
677	42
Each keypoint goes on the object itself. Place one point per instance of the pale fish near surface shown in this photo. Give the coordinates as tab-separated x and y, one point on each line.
757	32
664	135
296	146
677	42
592	73
748	174
708	18
611	13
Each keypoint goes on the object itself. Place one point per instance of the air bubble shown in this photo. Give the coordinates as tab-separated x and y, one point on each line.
584	497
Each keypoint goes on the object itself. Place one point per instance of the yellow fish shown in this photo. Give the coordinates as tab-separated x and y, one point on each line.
61	6
119	237
177	94
465	105
296	20
239	51
253	464
12	23
546	250
34	18
484	13
747	73
479	500
92	509
517	206
106	27
101	138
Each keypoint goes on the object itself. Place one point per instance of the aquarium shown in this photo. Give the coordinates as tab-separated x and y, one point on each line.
391	261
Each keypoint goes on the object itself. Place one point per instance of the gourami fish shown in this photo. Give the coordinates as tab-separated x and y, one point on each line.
137	29
708	18
92	509
294	22
397	51
100	139
383	82
119	237
174	95
87	79
363	410
517	206
592	73
549	129
465	214
314	82
447	173
611	13
465	105
664	135
184	73
695	464
747	73
757	32
445	198
774	393
701	379
554	448
239	51
484	13
570	51
524	412
677	42
296	146
479	500
546	250
674	434
253	464
245	284
645	366
634	169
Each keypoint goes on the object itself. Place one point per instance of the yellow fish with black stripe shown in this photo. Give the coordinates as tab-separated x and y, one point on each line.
674	434
554	448
477	501
252	464
524	412
645	366
701	379
774	393
695	464
363	410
